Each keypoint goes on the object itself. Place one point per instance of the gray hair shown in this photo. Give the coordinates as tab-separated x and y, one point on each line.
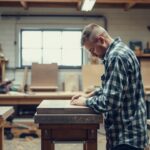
90	31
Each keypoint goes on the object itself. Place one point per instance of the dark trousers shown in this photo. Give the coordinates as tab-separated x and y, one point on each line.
125	147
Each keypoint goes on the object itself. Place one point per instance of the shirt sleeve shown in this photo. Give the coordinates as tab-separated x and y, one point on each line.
109	97
98	91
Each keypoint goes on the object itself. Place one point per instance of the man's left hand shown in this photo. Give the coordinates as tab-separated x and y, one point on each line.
81	101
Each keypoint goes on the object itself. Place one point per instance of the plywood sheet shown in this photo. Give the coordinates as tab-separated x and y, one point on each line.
145	70
91	75
44	75
71	82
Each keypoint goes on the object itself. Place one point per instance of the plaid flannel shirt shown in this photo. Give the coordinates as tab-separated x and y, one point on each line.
121	98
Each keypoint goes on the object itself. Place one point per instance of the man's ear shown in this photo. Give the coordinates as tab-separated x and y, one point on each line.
100	39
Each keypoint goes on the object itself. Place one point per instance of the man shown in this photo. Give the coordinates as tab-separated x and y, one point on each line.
121	98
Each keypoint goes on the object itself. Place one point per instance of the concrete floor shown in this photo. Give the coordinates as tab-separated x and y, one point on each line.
30	143
34	144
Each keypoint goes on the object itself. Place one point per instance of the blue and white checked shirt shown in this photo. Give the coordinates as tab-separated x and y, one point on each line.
121	98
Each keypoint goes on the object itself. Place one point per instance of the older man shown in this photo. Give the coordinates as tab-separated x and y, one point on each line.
121	97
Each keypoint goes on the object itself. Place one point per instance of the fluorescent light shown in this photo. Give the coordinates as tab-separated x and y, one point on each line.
87	5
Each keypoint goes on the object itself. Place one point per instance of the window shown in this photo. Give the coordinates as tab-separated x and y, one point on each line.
48	46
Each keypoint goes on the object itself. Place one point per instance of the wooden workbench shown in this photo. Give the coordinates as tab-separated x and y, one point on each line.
60	121
15	98
5	112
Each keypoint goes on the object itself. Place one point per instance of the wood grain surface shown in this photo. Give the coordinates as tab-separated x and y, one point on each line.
62	107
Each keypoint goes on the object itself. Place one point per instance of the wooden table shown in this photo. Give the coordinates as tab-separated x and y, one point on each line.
5	112
22	100
59	121
15	98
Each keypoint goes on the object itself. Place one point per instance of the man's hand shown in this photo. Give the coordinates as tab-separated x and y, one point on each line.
82	95
76	96
81	101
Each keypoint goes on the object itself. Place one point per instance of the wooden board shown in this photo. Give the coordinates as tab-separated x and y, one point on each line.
67	118
71	82
62	107
25	79
91	75
5	111
44	75
145	70
43	88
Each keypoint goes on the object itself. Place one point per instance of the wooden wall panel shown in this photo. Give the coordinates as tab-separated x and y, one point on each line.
91	75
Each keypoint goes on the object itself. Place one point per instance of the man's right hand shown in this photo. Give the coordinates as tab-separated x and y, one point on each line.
76	96
83	95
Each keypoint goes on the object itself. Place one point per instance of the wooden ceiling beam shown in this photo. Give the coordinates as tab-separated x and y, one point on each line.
129	5
129	2
123	1
126	4
79	4
43	1
24	4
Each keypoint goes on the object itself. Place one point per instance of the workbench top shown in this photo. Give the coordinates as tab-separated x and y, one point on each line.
62	107
62	112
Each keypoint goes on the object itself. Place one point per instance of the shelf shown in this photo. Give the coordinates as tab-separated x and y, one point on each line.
143	55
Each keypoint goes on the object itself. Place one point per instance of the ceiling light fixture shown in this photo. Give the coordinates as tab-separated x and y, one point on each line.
87	5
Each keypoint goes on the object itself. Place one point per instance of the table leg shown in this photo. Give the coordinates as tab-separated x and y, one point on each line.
47	145
1	137
46	140
91	145
84	146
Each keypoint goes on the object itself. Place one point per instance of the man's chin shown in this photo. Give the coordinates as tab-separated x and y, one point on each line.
96	56
100	57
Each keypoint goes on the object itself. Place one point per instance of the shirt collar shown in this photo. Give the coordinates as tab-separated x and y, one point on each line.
112	45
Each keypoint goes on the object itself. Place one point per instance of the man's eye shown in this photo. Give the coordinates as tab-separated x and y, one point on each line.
91	49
